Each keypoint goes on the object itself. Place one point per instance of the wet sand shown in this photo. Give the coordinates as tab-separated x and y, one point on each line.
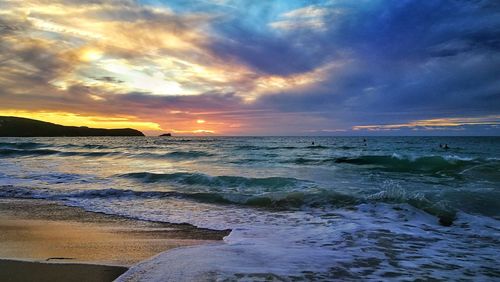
13	270
52	242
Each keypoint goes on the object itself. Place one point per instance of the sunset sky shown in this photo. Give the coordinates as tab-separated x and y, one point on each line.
254	67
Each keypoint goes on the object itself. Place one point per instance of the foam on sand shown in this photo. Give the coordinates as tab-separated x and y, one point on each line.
374	241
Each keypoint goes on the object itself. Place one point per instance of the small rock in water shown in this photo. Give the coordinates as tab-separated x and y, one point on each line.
446	220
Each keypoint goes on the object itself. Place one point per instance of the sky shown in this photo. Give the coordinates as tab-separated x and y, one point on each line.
255	67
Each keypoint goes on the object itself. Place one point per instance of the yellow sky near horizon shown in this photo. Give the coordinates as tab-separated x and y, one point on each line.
192	127
70	119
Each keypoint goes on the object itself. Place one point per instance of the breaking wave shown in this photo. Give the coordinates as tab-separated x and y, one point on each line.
276	200
396	163
199	179
408	164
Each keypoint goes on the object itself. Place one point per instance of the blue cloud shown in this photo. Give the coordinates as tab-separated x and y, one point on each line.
407	60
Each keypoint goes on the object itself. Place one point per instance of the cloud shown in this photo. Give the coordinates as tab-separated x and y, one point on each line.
311	18
254	67
404	61
438	123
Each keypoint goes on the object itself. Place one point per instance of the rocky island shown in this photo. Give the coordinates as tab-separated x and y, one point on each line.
24	127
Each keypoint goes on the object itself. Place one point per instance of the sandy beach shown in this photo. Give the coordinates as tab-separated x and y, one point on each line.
45	241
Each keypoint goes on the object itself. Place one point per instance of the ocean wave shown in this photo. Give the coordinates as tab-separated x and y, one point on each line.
276	201
316	147
99	151
175	155
283	201
347	147
396	163
199	179
88	146
18	152
247	147
272	148
20	145
251	147
432	164
307	161
46	152
279	148
187	154
91	154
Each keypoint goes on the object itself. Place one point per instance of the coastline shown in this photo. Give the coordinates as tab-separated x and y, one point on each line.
45	241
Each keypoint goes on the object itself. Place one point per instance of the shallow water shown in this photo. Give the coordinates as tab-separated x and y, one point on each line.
339	209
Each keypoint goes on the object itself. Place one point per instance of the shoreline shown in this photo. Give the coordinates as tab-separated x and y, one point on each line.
46	241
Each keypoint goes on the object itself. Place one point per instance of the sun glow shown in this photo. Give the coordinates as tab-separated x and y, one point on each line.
91	55
194	131
140	78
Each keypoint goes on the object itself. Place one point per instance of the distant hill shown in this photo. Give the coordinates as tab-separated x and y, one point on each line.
25	127
166	135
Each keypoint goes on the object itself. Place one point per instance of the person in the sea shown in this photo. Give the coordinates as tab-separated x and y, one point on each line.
440	145
312	143
446	147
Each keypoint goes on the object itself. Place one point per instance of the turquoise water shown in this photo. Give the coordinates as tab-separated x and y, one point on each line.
346	207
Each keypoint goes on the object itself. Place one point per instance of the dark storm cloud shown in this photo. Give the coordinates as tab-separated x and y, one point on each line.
267	53
415	59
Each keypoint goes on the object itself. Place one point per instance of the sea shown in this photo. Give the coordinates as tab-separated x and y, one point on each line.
299	208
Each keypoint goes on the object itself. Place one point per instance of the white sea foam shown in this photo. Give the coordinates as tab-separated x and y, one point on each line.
374	241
